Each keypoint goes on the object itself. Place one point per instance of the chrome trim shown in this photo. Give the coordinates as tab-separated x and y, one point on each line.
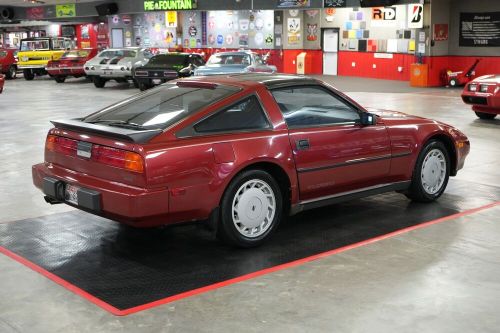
347	163
31	66
364	189
62	68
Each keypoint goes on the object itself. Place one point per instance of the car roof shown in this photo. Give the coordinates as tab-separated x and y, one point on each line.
235	53
43	38
246	80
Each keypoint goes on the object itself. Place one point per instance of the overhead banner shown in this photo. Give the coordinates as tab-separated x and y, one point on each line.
156	5
480	29
68	10
334	3
415	16
293	3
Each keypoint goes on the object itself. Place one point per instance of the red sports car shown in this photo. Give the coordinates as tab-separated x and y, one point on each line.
240	152
2	82
8	63
484	95
70	64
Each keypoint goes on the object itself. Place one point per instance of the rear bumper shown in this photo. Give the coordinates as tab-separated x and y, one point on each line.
70	71
134	206
31	66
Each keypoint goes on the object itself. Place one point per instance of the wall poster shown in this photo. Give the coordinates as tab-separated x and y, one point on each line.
441	31
334	3
293	28
480	29
293	3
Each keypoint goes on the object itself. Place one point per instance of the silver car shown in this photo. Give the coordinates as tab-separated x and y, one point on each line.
235	62
116	64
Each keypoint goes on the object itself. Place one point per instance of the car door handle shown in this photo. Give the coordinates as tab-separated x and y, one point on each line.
303	144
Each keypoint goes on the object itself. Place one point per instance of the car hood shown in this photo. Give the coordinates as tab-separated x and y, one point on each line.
488	79
220	69
389	115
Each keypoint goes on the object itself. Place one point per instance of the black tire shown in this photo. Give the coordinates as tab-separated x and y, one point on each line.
417	192
99	82
60	79
143	86
28	74
484	115
136	83
11	73
453	83
227	230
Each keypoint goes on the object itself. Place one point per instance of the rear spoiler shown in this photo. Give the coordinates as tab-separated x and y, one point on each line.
132	135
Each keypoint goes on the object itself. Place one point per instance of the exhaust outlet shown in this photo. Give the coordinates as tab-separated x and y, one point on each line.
51	201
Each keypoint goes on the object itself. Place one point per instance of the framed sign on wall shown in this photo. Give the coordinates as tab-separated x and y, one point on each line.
480	29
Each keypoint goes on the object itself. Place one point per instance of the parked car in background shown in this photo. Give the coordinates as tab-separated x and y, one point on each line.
35	53
2	82
235	62
241	151
164	67
483	93
71	63
8	63
116	64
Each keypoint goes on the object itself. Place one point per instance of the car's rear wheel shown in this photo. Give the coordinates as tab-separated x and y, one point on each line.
11	73
251	209
136	83
431	173
99	82
28	74
60	79
143	86
484	115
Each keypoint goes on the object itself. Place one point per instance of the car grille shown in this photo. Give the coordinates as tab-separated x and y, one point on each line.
475	100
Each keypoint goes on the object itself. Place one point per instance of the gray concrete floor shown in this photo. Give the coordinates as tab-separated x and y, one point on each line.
444	278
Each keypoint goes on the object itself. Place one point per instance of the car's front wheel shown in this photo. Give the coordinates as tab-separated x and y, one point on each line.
28	74
431	173
60	79
143	86
99	82
484	115
251	209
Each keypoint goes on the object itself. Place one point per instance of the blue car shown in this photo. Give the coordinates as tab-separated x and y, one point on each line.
234	62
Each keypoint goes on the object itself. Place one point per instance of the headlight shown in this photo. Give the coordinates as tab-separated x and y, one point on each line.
483	88
473	87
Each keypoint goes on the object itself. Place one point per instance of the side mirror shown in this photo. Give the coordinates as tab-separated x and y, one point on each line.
367	119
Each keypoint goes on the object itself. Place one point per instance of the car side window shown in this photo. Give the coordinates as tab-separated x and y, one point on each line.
306	106
244	115
258	60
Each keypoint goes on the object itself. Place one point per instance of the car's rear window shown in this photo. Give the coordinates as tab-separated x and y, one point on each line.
34	45
160	107
168	60
118	53
76	54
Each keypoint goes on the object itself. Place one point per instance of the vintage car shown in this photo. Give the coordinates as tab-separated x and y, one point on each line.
35	53
235	62
2	82
483	94
165	67
8	63
116	64
240	152
71	63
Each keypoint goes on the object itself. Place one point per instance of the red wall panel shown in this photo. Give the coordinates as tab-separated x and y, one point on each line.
385	68
92	35
290	61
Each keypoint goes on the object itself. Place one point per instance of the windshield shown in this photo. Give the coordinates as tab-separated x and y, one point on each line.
34	45
75	54
3	54
160	107
60	44
118	53
168	60
229	59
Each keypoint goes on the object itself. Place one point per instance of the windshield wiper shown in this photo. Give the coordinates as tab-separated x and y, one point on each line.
119	123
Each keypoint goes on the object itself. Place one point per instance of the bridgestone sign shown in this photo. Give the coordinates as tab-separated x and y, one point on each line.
153	5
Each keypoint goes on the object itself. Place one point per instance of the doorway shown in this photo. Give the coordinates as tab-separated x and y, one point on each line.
117	38
330	42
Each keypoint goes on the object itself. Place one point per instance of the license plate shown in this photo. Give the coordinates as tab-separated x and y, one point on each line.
66	71
156	81
71	194
108	72
84	149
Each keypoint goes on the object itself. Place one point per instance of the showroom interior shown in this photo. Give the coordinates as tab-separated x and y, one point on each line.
249	165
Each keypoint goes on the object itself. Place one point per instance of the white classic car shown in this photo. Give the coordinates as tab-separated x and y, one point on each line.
116	64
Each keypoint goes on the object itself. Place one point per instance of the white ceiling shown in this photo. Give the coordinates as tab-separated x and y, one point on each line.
21	3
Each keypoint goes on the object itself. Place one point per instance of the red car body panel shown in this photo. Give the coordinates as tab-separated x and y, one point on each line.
7	61
70	66
185	177
2	82
488	101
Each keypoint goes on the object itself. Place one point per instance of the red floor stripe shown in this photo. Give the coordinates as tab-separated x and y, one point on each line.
298	262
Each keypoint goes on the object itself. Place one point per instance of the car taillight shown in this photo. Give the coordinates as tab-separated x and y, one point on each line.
61	145
141	73
118	158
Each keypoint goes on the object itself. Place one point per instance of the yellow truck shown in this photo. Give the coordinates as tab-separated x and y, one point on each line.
35	53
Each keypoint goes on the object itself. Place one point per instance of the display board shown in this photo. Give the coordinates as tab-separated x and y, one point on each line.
480	29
